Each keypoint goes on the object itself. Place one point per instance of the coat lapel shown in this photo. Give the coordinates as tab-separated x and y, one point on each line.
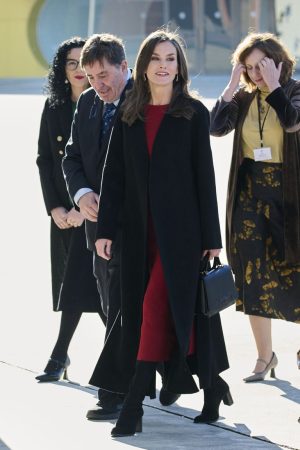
96	118
105	139
137	130
65	118
166	128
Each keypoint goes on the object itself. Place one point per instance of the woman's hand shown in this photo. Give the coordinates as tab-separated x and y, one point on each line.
59	215
103	247
212	253
237	70
270	72
74	218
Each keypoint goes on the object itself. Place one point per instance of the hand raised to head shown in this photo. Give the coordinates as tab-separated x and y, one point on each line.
270	72
237	71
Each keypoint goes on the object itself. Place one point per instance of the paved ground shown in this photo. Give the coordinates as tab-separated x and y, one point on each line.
52	416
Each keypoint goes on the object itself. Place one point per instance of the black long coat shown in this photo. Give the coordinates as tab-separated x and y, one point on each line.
73	284
178	187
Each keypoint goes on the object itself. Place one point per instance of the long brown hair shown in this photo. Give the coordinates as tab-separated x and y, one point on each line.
273	48
139	96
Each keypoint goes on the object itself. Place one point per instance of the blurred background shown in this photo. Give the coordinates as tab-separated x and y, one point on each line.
30	31
211	28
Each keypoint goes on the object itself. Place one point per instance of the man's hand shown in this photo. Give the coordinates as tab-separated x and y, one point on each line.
88	205
103	247
59	215
74	218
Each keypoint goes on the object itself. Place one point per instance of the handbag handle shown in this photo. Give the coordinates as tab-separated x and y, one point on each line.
206	266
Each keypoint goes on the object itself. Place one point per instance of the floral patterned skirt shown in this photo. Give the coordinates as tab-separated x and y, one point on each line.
268	286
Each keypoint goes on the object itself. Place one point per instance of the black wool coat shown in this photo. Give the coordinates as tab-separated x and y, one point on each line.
178	187
73	284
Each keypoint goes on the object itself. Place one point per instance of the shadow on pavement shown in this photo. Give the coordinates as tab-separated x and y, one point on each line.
288	390
3	446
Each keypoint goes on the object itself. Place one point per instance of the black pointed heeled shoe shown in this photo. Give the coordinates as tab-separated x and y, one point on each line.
55	370
212	399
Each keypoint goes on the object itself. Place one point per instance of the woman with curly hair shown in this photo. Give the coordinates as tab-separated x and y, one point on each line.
74	288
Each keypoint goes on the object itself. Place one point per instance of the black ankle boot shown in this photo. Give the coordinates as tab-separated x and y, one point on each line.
212	399
166	397
55	370
130	419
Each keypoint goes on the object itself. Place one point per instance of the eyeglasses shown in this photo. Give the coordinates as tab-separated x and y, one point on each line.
72	64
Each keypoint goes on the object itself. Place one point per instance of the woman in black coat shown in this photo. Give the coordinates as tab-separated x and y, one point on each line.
74	287
159	183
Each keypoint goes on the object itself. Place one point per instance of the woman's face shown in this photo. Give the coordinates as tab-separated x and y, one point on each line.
253	71
163	66
74	74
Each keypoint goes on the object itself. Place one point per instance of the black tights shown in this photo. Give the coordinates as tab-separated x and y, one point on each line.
68	324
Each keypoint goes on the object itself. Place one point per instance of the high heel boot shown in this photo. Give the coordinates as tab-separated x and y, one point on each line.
130	419
55	370
212	399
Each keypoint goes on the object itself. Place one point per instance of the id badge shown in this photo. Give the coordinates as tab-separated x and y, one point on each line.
262	154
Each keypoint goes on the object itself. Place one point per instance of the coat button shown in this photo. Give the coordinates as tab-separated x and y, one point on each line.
61	152
59	138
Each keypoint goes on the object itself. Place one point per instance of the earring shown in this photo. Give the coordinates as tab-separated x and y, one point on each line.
66	81
145	77
176	78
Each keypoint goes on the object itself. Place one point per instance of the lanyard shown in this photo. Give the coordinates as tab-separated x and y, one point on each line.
261	124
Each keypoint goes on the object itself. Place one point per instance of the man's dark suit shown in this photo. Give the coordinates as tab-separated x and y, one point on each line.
82	167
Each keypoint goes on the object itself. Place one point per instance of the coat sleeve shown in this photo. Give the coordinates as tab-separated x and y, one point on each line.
287	109
224	116
205	181
45	163
72	164
112	185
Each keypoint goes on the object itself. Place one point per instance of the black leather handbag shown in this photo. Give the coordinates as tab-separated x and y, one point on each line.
217	290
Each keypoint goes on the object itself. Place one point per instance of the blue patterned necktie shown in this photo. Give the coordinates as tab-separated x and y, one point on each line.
109	111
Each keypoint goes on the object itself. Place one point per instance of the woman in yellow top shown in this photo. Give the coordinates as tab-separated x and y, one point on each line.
263	206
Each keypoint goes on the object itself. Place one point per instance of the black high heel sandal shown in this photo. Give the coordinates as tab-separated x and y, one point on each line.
212	399
55	370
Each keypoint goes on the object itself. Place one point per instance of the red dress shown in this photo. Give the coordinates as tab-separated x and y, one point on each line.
158	338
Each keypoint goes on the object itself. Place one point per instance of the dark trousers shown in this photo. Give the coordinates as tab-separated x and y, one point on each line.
107	274
101	273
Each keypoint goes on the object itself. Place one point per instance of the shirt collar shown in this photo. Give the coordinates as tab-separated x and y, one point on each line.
116	102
